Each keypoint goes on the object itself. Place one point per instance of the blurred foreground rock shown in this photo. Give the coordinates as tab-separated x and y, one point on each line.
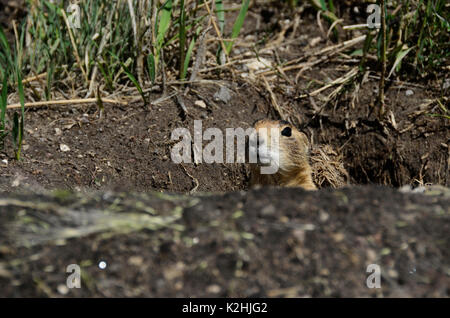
265	242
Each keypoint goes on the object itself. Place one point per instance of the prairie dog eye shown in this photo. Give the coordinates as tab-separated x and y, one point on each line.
287	131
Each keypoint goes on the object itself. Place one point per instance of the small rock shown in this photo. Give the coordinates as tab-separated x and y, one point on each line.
299	234
58	131
257	64
268	210
200	103
290	91
62	289
325	272
136	261
338	237
68	126
64	148
17	181
4	272
49	268
323	216
5	161
174	271
392	273
224	94
314	41
213	289
409	92
84	118
371	255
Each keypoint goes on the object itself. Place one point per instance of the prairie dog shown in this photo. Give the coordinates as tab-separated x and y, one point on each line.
290	154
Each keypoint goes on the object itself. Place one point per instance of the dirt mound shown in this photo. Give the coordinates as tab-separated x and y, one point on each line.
130	147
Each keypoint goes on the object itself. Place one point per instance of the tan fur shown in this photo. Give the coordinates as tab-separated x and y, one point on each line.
294	168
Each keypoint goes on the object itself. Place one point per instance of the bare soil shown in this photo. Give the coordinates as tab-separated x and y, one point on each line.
129	148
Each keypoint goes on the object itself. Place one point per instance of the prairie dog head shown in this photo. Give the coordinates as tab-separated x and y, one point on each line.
280	144
282	154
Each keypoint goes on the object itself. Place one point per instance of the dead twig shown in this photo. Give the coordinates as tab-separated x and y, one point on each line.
75	50
194	189
273	98
180	101
64	102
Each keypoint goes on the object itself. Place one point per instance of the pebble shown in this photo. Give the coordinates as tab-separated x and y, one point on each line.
268	210
64	148
409	92
224	94
214	289
257	64
446	84
62	289
200	103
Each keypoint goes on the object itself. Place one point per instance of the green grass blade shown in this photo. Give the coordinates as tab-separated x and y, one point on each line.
7	50
106	76
238	24
4	43
188	55
331	5
48	88
182	38
163	24
398	59
134	80
15	129
161	28
19	127
151	67
3	101
131	77
220	11
21	91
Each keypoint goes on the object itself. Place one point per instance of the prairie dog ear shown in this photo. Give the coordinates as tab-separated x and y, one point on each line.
304	138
